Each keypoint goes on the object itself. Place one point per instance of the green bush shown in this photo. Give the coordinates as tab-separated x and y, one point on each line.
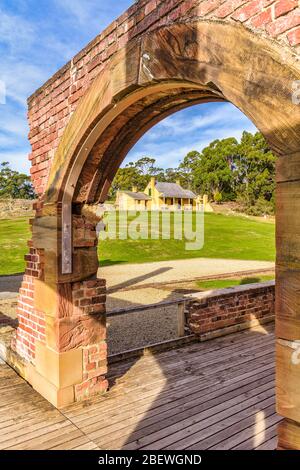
218	197
256	208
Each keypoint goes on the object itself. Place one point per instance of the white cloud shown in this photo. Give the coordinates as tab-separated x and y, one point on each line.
21	79
96	14
190	131
179	124
18	160
13	122
16	32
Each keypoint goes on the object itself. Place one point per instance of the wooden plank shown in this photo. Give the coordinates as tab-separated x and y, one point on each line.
232	419
43	441
159	405
203	376
234	350
154	405
82	442
268	445
39	418
249	444
171	429
36	431
188	403
206	392
133	381
89	446
242	430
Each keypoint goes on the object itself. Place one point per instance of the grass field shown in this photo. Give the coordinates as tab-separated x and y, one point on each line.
229	237
13	245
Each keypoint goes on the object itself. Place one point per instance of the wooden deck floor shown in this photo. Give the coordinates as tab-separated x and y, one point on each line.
213	395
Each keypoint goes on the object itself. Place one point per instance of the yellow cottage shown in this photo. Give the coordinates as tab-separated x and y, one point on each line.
161	196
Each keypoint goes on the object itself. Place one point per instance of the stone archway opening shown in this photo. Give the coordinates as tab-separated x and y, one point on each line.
152	77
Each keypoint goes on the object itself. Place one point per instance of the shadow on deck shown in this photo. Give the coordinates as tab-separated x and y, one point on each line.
213	395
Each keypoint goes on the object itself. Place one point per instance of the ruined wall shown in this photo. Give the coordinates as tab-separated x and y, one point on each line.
222	308
16	208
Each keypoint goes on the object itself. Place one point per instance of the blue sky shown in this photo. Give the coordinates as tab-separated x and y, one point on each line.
39	36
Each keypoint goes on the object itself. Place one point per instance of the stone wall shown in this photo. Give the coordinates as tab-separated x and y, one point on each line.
223	308
51	107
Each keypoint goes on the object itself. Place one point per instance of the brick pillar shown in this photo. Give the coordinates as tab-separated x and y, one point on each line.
31	326
288	300
62	318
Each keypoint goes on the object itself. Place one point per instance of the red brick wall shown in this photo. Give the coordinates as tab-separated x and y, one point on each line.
227	307
94	370
51	106
31	322
89	310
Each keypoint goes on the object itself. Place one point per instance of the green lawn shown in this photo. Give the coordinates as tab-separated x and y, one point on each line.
225	237
224	283
13	245
229	237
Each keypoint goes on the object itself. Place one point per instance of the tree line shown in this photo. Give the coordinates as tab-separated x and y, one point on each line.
14	185
226	170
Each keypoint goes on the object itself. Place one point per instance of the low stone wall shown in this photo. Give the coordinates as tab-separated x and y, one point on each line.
243	306
16	208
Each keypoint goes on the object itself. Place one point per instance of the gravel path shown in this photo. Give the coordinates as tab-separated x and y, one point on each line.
132	275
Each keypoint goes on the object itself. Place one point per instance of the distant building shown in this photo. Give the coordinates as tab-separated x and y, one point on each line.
133	200
170	196
161	196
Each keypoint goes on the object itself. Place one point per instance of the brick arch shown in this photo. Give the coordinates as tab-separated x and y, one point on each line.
147	81
166	61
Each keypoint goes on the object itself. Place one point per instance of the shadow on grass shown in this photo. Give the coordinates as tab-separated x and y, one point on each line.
250	280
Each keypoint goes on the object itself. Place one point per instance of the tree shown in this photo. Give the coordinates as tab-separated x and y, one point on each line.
187	169
225	170
14	185
213	171
125	178
136	174
171	175
256	168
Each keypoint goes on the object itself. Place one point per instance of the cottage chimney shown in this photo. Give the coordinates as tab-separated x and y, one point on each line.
134	189
152	185
178	182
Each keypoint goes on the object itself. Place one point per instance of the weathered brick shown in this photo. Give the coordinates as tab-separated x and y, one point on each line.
284	23
249	10
227	8
294	37
230	308
284	6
